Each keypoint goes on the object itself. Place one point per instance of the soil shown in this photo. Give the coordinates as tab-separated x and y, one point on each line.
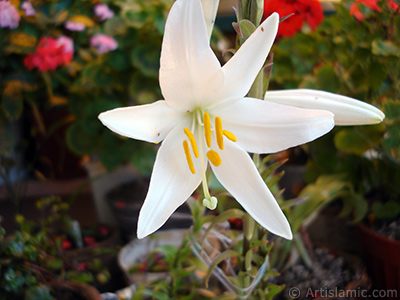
329	272
389	229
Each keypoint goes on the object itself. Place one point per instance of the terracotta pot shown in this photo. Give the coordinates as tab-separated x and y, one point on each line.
382	256
67	290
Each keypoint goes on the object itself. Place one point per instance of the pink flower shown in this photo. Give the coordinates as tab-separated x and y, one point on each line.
28	8
9	16
74	26
67	43
103	12
103	43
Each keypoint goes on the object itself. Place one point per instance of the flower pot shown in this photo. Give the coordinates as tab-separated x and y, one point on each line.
103	182
382	256
136	251
126	201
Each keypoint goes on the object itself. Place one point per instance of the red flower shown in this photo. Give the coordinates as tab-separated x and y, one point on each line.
66	245
103	230
289	26
81	267
89	241
393	5
50	54
371	4
309	11
120	204
236	223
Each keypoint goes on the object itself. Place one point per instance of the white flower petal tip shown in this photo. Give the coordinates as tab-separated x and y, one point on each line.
285	232
347	111
210	8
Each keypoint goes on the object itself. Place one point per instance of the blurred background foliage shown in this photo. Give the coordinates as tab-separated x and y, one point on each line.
90	83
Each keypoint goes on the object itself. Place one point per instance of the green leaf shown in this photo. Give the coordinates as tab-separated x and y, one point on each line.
78	140
246	28
388	210
12	105
119	60
319	194
38	293
220	258
391	109
248	226
146	59
115	26
224	216
385	48
357	140
327	79
170	253
360	208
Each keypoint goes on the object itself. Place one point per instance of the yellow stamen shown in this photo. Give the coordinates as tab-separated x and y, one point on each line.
207	129
219	133
214	158
192	140
230	135
188	157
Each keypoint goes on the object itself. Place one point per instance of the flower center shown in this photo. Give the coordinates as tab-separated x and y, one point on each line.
212	155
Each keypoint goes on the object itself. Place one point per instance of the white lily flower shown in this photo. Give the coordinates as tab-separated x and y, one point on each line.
210	8
205	117
347	111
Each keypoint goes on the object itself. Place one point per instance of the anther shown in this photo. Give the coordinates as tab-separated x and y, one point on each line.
207	129
192	140
214	158
230	136
188	157
219	133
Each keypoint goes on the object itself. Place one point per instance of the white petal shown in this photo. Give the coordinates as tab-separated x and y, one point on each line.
210	8
241	70
240	177
150	122
266	127
347	111
187	60
171	184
